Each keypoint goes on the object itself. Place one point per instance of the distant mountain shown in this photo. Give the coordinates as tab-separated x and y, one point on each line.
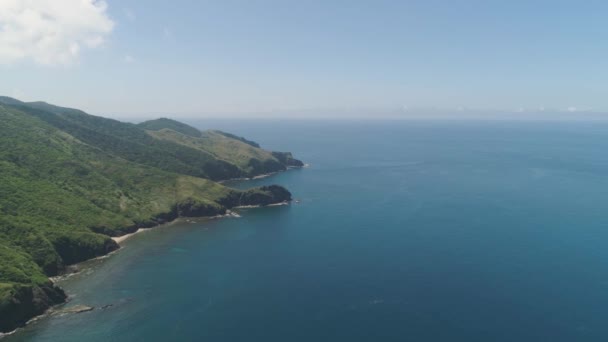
69	181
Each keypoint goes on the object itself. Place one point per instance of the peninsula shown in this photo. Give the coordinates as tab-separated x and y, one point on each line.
70	181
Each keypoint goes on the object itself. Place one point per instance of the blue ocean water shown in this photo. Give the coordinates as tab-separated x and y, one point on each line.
404	231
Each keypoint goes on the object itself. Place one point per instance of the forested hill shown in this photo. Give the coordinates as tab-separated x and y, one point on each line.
245	154
69	181
134	143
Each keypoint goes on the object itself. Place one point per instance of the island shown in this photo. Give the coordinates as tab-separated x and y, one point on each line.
71	181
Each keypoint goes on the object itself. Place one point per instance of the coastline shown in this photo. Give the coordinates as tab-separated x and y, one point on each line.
121	239
115	180
260	206
229	213
264	175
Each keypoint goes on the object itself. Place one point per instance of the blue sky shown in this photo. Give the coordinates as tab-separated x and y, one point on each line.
298	58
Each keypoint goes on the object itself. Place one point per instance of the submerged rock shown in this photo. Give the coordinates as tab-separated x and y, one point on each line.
75	309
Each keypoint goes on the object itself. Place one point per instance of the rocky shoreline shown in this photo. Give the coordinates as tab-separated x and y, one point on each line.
31	301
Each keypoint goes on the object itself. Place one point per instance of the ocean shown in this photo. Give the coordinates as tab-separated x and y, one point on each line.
402	231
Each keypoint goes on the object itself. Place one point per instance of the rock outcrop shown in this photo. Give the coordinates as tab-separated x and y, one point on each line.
27	301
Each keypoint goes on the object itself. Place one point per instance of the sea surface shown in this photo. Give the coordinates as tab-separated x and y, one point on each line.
403	231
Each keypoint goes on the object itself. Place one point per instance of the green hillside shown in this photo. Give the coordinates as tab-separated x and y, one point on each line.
250	160
69	181
162	123
241	139
247	155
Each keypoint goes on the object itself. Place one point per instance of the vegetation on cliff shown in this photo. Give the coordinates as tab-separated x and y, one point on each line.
70	181
246	155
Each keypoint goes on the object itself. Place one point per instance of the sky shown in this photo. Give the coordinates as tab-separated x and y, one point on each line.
330	58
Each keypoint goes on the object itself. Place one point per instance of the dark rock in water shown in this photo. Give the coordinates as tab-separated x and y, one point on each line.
28	301
107	306
71	269
75	309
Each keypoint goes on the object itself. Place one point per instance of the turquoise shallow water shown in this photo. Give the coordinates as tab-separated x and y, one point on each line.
405	231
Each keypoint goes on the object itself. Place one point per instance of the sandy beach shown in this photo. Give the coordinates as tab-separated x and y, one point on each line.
120	239
229	213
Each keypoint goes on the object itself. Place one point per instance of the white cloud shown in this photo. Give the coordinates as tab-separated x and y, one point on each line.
129	59
51	32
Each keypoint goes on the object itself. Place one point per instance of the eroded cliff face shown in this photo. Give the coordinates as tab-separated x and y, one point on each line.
73	249
27	301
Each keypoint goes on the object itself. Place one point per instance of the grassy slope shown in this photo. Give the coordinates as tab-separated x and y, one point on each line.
131	142
247	155
61	197
251	160
162	123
